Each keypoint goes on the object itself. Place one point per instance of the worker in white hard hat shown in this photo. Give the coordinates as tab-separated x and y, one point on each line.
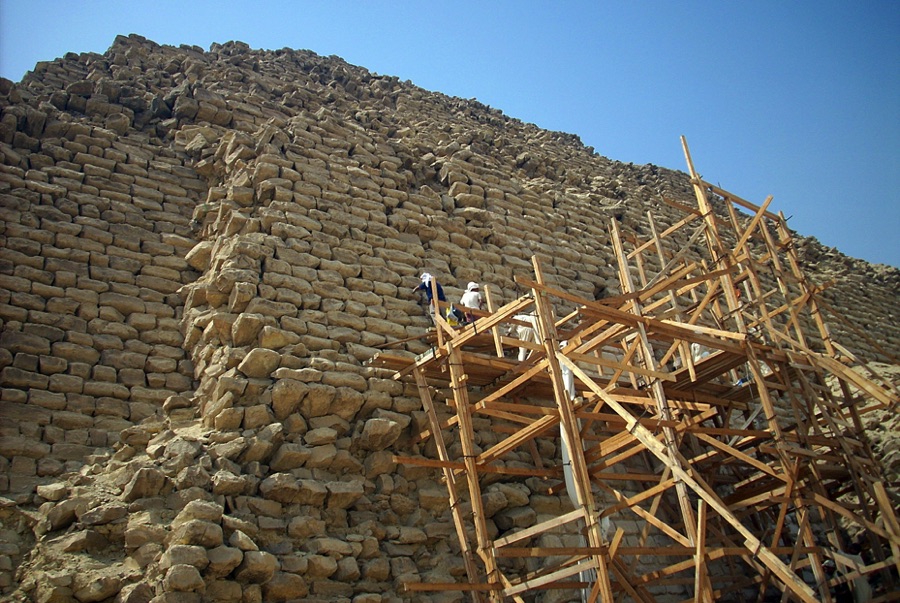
472	299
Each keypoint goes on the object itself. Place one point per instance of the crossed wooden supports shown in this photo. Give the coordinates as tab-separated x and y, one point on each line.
709	430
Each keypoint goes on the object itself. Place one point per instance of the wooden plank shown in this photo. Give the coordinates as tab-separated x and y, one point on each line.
550	578
888	517
417	587
745	458
742	202
753	544
539	528
630	368
838	369
754	222
459	466
816	498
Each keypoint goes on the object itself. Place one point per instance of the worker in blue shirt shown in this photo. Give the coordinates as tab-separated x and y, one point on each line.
425	285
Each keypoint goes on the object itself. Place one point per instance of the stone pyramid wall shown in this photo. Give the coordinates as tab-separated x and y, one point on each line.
199	252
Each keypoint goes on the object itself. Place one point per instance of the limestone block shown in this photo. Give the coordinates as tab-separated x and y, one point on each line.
246	327
345	379
317	401
257	415
222	560
52	492
184	554
289	456
321	457
183	578
240	540
260	363
343	495
275	339
517	495
84	541
90	587
18	378
320	436
435	499
493	501
45	399
286	395
229	419
377	570
103	514
140	592
281	487
256	567
320	566
347	403
198	532
63	514
271	308
229	450
284	587
241	294
194	476
11	446
257	450
18	342
519	517
147	482
227	484
378	434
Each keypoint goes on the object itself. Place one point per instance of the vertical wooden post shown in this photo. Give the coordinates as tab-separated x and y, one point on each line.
547	330
467	440
702	588
495	331
450	477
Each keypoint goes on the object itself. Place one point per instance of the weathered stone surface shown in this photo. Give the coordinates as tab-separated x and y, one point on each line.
285	587
286	397
104	514
147	482
183	554
260	362
183	578
342	495
86	541
90	588
257	567
222	559
64	513
198	532
379	434
199	509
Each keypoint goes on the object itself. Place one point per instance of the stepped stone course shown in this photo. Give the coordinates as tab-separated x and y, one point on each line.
199	250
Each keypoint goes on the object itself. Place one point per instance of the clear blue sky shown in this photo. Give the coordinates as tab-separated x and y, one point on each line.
797	99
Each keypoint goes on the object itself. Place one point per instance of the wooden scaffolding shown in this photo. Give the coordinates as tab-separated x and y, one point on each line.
702	431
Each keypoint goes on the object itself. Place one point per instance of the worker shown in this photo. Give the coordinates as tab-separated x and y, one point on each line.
472	299
525	332
425	285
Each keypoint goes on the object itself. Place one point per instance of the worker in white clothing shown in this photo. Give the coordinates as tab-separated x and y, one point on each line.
472	299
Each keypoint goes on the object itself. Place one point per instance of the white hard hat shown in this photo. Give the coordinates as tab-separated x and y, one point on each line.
472	286
425	277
